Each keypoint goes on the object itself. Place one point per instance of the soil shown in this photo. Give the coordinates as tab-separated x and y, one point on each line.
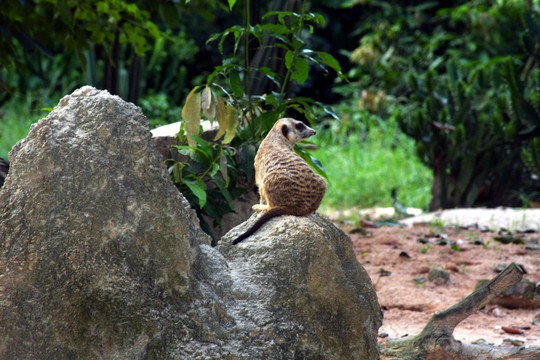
395	255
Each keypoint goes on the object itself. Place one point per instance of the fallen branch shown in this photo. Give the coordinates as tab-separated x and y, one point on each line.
436	341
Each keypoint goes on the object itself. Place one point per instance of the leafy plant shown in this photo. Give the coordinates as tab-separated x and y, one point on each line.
210	174
463	89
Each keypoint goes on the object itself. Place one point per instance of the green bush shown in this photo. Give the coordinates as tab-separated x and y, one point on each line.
463	81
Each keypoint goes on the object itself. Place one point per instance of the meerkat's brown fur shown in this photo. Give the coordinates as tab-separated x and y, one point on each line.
287	185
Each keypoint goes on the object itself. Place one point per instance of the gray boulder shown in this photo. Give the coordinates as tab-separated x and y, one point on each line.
101	258
302	273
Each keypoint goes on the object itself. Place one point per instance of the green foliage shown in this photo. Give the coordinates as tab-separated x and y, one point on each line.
462	87
531	156
16	117
260	111
159	110
243	118
103	21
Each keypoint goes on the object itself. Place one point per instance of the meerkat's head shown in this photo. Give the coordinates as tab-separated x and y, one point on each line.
293	130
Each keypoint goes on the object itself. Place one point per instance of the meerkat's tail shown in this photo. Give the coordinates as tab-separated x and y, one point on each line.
267	215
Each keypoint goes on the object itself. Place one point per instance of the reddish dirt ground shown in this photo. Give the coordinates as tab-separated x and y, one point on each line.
407	306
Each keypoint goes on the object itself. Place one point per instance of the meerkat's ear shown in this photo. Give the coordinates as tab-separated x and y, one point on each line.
285	130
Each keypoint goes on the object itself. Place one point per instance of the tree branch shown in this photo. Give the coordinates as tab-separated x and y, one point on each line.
436	340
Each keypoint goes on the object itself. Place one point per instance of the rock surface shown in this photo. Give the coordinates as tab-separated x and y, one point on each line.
101	257
508	219
302	272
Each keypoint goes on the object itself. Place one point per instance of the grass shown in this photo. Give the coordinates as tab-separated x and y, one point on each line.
363	172
16	116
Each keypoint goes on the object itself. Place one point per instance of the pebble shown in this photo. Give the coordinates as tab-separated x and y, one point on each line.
404	254
512	330
536	319
497	312
438	276
513	342
422	240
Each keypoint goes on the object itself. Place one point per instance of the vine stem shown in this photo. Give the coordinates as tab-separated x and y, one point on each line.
295	52
247	9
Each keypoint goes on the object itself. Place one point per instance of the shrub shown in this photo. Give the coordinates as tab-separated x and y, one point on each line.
465	90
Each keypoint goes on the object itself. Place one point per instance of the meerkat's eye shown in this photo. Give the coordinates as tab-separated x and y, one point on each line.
299	126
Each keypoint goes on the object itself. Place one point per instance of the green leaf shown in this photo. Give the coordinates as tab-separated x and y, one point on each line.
311	161
329	60
274	77
289	56
153	29
215	169
204	145
195	153
301	70
231	3
236	84
223	188
276	29
197	188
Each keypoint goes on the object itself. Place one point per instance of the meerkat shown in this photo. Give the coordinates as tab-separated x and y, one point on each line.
287	185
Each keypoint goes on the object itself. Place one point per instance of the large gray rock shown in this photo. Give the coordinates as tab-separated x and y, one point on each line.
101	258
299	292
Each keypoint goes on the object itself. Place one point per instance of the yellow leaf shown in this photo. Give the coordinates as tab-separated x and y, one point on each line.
221	115
232	123
208	106
191	114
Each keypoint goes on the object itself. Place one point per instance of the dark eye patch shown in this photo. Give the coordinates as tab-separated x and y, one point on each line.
299	126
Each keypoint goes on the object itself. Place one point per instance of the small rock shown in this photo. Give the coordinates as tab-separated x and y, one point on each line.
368	224
404	254
500	268
536	319
512	330
497	312
513	342
507	237
441	241
383	272
422	240
476	241
419	279
532	246
383	335
480	342
360	230
438	276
